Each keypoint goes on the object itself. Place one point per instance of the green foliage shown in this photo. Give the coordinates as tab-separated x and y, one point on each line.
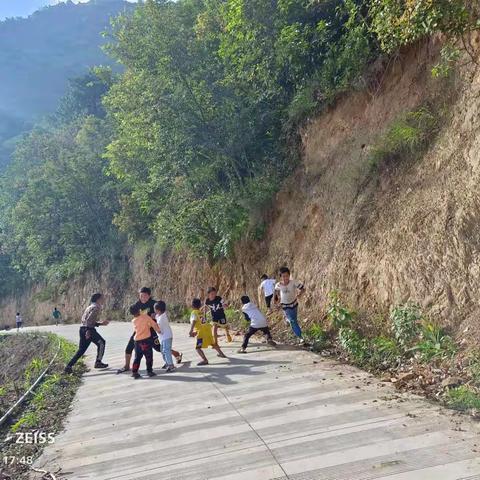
57	202
317	336
449	56
463	398
354	344
28	420
33	370
407	135
405	321
188	145
338	314
435	344
401	22
46	294
385	352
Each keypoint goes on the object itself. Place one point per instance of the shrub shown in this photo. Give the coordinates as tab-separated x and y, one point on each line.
408	135
356	347
405	321
338	314
317	336
434	344
385	351
449	56
399	22
463	398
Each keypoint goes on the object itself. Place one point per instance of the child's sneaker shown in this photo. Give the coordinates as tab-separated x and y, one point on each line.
151	374
242	350
170	369
136	375
165	366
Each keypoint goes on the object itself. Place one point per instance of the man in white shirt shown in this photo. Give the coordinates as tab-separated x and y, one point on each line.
290	291
268	287
258	322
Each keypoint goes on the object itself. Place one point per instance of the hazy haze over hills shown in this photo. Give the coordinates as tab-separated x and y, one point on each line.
39	54
23	8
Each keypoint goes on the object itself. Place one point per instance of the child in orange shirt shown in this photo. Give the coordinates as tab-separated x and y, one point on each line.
142	323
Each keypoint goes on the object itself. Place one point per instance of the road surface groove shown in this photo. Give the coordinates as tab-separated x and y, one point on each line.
271	414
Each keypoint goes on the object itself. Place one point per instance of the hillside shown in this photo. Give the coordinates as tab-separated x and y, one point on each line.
377	237
39	54
240	140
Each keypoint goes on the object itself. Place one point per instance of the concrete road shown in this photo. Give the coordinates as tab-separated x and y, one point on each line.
271	414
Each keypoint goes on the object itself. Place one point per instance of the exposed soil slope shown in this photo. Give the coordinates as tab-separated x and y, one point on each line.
406	232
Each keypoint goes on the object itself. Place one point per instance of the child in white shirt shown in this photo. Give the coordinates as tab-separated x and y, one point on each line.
290	291
258	322
268	287
166	336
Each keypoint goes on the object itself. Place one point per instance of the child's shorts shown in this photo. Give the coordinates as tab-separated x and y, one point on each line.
203	342
220	321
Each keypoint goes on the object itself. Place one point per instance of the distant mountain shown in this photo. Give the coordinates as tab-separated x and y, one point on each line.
40	53
21	8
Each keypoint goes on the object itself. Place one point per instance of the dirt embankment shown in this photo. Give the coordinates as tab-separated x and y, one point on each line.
406	232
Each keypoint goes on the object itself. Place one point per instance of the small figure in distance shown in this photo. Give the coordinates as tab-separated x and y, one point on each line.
56	316
18	321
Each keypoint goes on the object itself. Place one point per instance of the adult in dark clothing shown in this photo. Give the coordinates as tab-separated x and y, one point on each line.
146	305
88	333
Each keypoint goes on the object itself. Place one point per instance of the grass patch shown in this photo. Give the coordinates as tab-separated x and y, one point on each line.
409	135
46	409
463	398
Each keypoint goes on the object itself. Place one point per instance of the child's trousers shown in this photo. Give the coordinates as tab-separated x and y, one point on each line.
94	337
167	350
291	316
251	331
143	348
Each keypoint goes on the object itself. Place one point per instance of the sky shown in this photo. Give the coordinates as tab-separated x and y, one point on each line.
23	8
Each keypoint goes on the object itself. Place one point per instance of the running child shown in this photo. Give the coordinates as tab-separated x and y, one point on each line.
215	303
56	316
267	285
18	321
200	328
258	322
166	336
88	333
290	291
142	324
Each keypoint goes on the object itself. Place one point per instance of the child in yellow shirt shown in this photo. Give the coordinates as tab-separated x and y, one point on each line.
201	329
142	323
